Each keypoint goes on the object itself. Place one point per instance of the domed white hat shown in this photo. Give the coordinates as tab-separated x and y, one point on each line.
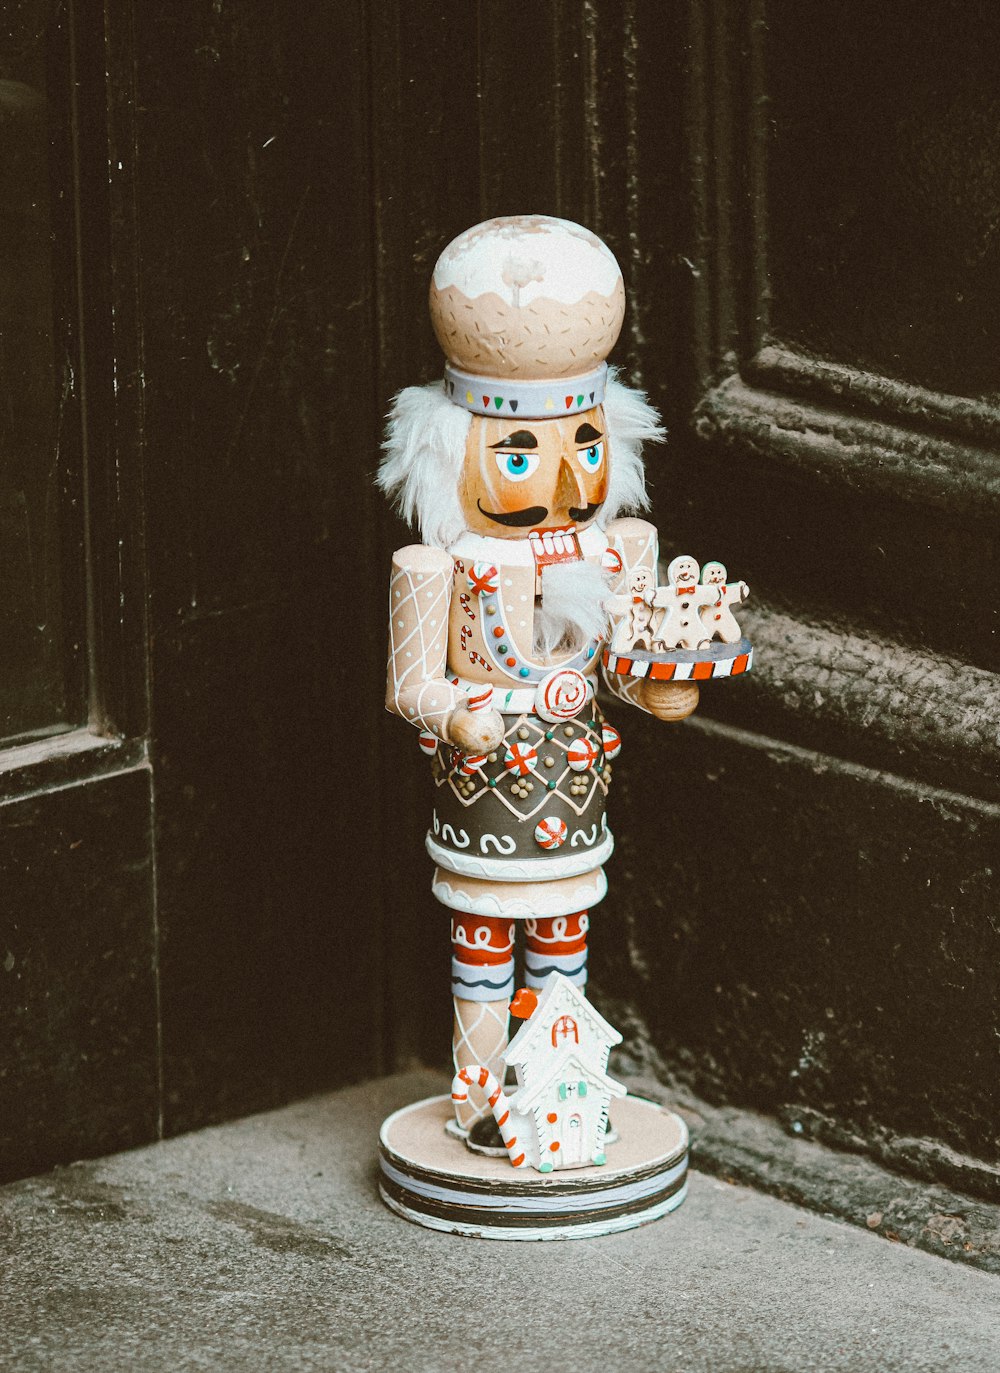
527	308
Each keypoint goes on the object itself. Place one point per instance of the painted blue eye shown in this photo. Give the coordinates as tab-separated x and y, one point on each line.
591	458
516	466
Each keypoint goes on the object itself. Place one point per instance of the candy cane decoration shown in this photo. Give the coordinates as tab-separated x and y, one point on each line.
466	603
475	657
475	1075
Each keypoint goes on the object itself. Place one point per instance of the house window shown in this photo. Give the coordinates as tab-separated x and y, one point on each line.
563	1028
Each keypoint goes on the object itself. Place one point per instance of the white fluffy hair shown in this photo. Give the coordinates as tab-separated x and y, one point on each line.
424	450
423	453
631	422
572	609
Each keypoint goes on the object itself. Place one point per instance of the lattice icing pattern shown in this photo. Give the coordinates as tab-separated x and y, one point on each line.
419	600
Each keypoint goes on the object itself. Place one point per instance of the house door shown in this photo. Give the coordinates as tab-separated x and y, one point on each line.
573	1134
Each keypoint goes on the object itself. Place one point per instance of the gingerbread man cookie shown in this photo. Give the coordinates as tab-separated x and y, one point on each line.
635	628
680	625
717	617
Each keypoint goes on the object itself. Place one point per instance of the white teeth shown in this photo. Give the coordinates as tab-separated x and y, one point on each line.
559	543
548	543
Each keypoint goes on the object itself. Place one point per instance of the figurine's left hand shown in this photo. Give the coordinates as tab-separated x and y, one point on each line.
669	700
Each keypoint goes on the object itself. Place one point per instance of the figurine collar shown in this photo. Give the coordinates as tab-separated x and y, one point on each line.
519	552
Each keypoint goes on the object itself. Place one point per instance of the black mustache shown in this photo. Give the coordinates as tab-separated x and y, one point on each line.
536	513
533	515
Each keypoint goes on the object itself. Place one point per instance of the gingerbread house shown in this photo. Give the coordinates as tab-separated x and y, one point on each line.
560	1057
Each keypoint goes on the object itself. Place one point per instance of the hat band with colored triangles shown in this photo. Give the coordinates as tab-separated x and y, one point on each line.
532	400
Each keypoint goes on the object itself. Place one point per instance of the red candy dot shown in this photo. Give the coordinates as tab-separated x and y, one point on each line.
498	632
511	662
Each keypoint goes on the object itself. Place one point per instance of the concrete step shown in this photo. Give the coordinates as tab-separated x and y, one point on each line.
263	1245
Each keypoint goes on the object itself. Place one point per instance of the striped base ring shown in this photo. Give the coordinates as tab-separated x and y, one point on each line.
432	1179
683	664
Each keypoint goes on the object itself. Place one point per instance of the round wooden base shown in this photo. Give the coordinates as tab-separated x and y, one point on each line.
431	1178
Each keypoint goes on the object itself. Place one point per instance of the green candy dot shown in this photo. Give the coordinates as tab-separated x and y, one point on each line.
503	648
548	734
551	786
492	782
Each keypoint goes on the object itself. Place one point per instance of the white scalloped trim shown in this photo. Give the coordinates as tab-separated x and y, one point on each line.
560	902
522	869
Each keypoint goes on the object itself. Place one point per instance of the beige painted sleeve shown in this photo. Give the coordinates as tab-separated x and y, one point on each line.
420	588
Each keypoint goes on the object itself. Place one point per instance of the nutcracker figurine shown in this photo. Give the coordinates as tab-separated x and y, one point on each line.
523	473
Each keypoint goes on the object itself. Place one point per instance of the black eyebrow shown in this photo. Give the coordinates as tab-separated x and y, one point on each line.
521	438
587	434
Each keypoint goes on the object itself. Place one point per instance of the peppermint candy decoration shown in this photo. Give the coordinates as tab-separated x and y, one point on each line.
428	742
483	579
581	755
611	561
612	742
561	695
471	763
520	758
550	833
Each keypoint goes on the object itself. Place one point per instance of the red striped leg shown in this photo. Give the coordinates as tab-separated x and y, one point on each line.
482	984
482	958
557	944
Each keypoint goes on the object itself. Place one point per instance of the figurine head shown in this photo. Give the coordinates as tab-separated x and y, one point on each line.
714	574
683	571
529	430
640	580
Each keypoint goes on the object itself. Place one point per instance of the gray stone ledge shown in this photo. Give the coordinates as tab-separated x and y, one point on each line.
262	1245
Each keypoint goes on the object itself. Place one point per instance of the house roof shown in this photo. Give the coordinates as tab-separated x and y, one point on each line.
557	997
568	1064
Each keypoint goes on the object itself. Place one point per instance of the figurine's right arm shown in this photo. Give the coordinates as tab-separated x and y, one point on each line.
419	601
417	687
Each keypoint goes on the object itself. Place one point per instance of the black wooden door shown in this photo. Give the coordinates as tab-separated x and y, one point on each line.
842	969
190	918
215	894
